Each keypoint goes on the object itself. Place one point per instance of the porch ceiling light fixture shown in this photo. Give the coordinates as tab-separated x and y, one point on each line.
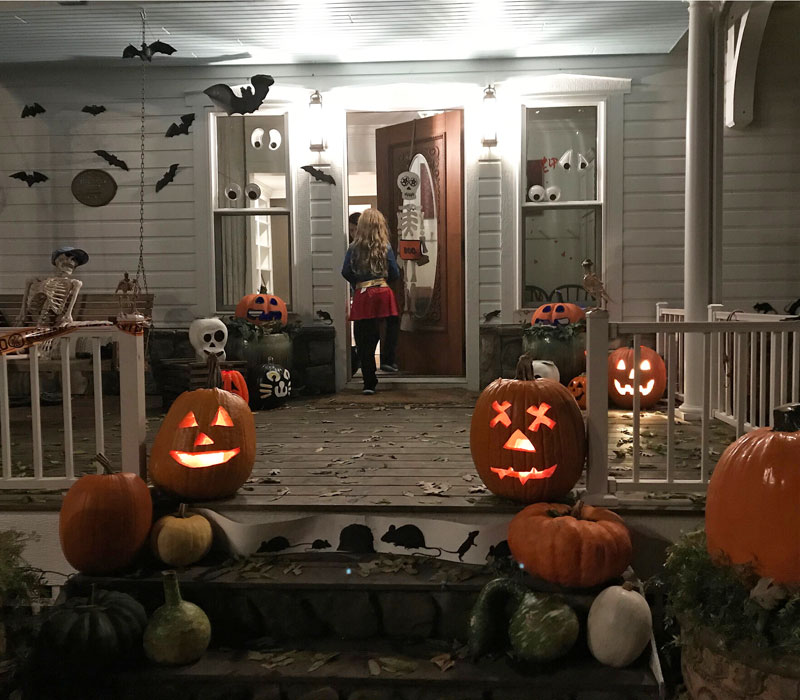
489	117
315	123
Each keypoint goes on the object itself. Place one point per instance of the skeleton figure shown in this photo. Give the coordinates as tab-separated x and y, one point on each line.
48	301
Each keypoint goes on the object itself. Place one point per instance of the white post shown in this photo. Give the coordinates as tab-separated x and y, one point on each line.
133	423
597	407
697	232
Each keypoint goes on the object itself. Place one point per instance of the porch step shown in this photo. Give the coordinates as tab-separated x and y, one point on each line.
379	670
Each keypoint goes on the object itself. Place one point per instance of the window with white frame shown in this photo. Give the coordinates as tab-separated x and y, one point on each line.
252	213
562	203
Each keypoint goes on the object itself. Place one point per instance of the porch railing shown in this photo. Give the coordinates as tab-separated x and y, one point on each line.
744	391
130	354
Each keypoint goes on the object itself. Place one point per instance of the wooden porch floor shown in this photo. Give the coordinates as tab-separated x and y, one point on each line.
407	447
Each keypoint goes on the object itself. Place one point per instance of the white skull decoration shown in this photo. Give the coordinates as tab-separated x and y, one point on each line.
545	369
408	183
208	337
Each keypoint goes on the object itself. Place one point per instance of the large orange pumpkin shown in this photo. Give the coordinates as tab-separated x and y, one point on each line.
557	313
652	375
576	546
752	514
527	437
262	308
206	445
104	520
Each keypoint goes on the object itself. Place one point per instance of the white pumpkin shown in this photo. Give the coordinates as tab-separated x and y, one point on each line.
620	625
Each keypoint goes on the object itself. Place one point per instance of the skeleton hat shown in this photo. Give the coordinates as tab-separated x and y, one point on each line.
81	257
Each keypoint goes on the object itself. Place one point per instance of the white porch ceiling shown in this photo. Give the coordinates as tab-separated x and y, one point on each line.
337	31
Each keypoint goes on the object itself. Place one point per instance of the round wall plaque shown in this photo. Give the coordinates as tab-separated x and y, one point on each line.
94	188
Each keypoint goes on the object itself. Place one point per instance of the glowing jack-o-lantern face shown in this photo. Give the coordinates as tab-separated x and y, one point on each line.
206	445
527	439
652	377
262	308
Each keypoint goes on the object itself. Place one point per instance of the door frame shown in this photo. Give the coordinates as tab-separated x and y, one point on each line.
405	100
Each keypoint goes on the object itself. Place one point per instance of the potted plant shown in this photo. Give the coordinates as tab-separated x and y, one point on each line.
564	345
256	343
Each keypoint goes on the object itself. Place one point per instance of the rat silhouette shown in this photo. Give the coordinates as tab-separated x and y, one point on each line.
411	537
279	543
356	539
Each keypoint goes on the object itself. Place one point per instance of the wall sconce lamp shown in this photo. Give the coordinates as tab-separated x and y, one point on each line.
315	125
489	117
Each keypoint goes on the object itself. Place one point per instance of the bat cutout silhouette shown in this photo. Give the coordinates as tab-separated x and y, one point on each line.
223	96
30	178
94	110
182	128
147	51
169	176
111	159
32	110
317	174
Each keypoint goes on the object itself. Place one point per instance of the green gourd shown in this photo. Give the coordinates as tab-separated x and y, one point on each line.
488	621
179	631
92	635
542	628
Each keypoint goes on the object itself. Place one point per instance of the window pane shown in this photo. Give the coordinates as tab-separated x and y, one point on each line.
556	241
558	137
252	250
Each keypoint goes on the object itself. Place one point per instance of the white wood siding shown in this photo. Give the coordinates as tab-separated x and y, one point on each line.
761	186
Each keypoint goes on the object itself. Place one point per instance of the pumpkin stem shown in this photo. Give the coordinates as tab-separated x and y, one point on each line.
262	289
172	592
577	510
786	418
102	460
182	510
525	368
214	380
628	586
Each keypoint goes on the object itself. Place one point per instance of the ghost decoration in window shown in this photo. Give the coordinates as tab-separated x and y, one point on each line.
208	336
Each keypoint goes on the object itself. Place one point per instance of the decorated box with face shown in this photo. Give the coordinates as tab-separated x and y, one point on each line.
652	377
527	439
208	336
206	445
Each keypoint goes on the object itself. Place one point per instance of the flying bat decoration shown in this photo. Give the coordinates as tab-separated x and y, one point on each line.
317	174
147	50
32	110
111	159
169	176
30	178
94	110
182	128
223	96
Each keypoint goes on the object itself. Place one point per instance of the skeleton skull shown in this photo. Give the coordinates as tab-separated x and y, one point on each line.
408	183
208	337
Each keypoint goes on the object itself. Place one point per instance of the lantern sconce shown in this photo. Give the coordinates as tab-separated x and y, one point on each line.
315	125
489	117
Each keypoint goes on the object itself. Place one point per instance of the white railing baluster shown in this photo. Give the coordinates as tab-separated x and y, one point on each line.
97	391
637	353
740	382
763	415
597	481
774	372
36	412
795	367
5	418
784	369
753	416
705	419
133	423
66	396
672	358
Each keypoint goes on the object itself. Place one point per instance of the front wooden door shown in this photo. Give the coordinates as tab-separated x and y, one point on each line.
431	293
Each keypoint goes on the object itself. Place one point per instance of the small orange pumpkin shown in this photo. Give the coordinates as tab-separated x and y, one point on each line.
104	520
234	382
576	546
653	376
751	506
557	313
262	308
577	387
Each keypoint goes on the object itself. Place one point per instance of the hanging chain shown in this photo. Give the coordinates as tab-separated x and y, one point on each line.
411	151
140	271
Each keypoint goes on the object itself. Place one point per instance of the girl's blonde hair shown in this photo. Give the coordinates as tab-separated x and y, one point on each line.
370	242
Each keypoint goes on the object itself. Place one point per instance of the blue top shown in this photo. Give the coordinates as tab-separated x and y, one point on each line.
353	277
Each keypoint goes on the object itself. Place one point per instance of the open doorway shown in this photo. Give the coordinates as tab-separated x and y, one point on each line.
425	217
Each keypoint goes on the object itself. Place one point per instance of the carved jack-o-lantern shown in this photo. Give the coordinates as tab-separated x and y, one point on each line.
557	313
206	445
262	308
652	377
271	387
234	382
577	387
527	437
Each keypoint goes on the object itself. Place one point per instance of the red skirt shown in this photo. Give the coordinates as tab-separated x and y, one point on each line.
373	302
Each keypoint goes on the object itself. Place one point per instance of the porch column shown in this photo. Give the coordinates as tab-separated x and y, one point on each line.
697	227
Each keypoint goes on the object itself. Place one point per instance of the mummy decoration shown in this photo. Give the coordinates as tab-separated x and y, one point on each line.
208	337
